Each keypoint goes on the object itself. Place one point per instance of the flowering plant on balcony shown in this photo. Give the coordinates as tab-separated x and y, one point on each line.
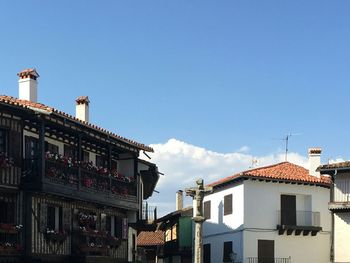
67	161
10	228
113	242
56	236
10	247
119	177
93	232
119	191
5	161
87	219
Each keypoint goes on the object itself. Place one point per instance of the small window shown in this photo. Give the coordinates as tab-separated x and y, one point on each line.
207	207
227	251
86	156
54	218
228	204
168	235
7	209
3	141
49	147
100	161
69	151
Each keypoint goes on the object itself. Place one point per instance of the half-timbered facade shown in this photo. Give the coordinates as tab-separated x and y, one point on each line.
68	189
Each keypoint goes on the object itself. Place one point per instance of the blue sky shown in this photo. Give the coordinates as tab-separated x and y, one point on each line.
214	74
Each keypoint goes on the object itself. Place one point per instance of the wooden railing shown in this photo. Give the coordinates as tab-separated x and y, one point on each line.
342	190
10	175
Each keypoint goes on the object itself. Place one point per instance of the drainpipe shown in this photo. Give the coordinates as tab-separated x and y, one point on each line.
332	232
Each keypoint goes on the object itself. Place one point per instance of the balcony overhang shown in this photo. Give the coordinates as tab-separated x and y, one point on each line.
339	206
297	230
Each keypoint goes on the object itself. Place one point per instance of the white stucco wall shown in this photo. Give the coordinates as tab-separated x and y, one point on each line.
221	228
342	237
261	206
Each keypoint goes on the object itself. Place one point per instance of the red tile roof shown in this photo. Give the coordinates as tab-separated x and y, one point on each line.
39	106
284	171
150	238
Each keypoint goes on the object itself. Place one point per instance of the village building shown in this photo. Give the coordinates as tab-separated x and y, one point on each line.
271	214
171	239
70	191
339	206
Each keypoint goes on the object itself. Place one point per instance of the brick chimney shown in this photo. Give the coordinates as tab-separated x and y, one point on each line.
82	108
179	200
28	84
314	161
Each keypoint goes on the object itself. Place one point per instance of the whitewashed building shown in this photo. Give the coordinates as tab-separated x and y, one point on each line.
340	207
276	213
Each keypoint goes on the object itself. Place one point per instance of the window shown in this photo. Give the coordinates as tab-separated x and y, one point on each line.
288	210
7	208
69	151
207	210
3	141
227	251
49	147
100	161
228	204
206	253
86	156
54	218
31	147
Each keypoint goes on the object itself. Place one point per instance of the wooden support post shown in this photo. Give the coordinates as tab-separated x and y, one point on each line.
41	152
80	155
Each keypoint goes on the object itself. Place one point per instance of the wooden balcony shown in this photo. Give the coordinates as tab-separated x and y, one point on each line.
10	175
79	182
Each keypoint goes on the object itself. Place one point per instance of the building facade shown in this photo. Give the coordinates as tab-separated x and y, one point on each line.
340	208
69	190
274	214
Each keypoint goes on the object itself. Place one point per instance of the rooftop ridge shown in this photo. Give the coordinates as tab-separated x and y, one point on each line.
40	106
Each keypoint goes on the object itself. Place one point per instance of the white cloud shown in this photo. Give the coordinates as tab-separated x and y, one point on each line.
183	163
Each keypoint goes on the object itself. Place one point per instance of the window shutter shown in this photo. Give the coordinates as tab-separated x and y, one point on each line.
125	228
14	147
207	207
66	211
118	227
228	204
103	222
43	217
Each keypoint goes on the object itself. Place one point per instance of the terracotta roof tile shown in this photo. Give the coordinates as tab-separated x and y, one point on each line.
150	238
30	105
284	171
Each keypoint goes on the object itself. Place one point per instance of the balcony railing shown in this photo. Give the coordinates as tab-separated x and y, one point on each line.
10	174
300	218
79	177
149	213
342	190
269	260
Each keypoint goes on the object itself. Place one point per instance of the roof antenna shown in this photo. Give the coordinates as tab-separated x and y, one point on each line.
286	138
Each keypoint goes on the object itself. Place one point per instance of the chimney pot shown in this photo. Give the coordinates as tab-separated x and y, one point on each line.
314	161
82	108
28	84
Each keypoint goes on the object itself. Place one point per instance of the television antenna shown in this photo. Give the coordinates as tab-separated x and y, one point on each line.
286	139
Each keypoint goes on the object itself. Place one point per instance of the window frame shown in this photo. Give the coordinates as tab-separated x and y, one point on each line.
207	209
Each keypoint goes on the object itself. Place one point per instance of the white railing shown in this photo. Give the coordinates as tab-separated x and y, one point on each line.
303	218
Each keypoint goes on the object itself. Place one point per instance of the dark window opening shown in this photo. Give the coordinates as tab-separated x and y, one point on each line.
227	251
7	214
49	147
228	204
31	147
69	151
100	161
207	207
206	253
288	210
86	156
3	141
